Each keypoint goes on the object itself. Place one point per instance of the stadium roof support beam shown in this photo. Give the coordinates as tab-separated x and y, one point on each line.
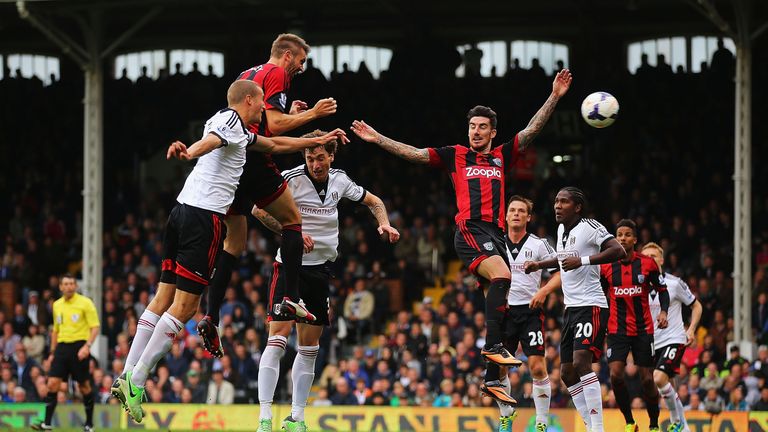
742	177
90	59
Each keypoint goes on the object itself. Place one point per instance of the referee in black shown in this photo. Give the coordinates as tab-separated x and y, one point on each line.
75	327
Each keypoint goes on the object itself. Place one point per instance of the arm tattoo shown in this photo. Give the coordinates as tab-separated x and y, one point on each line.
537	123
268	221
379	212
405	151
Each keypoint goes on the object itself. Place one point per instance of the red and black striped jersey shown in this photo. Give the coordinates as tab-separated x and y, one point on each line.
274	81
478	179
627	285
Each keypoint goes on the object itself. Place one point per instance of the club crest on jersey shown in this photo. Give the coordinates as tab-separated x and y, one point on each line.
528	254
75	318
573	241
488	246
283	100
335	195
496	161
609	352
641	278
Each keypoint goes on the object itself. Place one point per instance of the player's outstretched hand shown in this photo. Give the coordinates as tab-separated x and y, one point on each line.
389	233
309	244
298	107
530	266
365	132
562	82
325	107
336	134
177	150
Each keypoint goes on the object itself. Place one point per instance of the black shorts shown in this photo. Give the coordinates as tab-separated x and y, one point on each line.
525	326
66	363
668	359
641	346
260	184
476	241
192	243
314	290
584	328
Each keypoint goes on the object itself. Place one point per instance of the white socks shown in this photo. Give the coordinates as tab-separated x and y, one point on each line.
542	393
504	409
144	329
674	404
269	370
594	400
302	375
159	344
577	395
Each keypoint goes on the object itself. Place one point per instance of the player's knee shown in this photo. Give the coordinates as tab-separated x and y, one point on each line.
161	302
660	378
85	387
538	368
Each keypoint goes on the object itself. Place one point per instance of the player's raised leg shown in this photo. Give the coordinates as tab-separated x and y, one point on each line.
234	245
284	210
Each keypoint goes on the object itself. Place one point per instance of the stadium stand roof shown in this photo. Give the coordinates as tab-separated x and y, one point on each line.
216	24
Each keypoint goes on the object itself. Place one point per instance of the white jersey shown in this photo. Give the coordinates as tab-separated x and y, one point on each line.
679	294
319	210
581	287
524	286
212	183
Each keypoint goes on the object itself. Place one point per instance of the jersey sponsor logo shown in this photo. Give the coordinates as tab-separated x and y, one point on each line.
565	254
317	211
517	267
475	172
627	292
488	246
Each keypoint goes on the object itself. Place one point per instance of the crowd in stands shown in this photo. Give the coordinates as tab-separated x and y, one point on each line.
651	166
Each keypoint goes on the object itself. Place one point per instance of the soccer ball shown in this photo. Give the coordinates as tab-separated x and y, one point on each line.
600	109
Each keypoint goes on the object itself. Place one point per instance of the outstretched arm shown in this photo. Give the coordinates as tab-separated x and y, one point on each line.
379	211
207	144
280	122
405	151
559	87
291	145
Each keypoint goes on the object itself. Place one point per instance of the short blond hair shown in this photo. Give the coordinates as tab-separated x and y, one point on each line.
288	42
653	245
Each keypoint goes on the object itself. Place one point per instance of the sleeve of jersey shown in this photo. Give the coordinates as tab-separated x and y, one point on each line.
275	88
601	234
91	316
226	128
56	324
655	276
441	157
510	151
685	294
353	191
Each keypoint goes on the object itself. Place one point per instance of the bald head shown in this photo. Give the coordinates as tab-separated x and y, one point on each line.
239	89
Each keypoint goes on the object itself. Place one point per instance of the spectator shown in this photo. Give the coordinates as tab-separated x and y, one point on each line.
736	401
342	395
9	339
358	309
220	391
34	344
322	399
762	403
713	403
